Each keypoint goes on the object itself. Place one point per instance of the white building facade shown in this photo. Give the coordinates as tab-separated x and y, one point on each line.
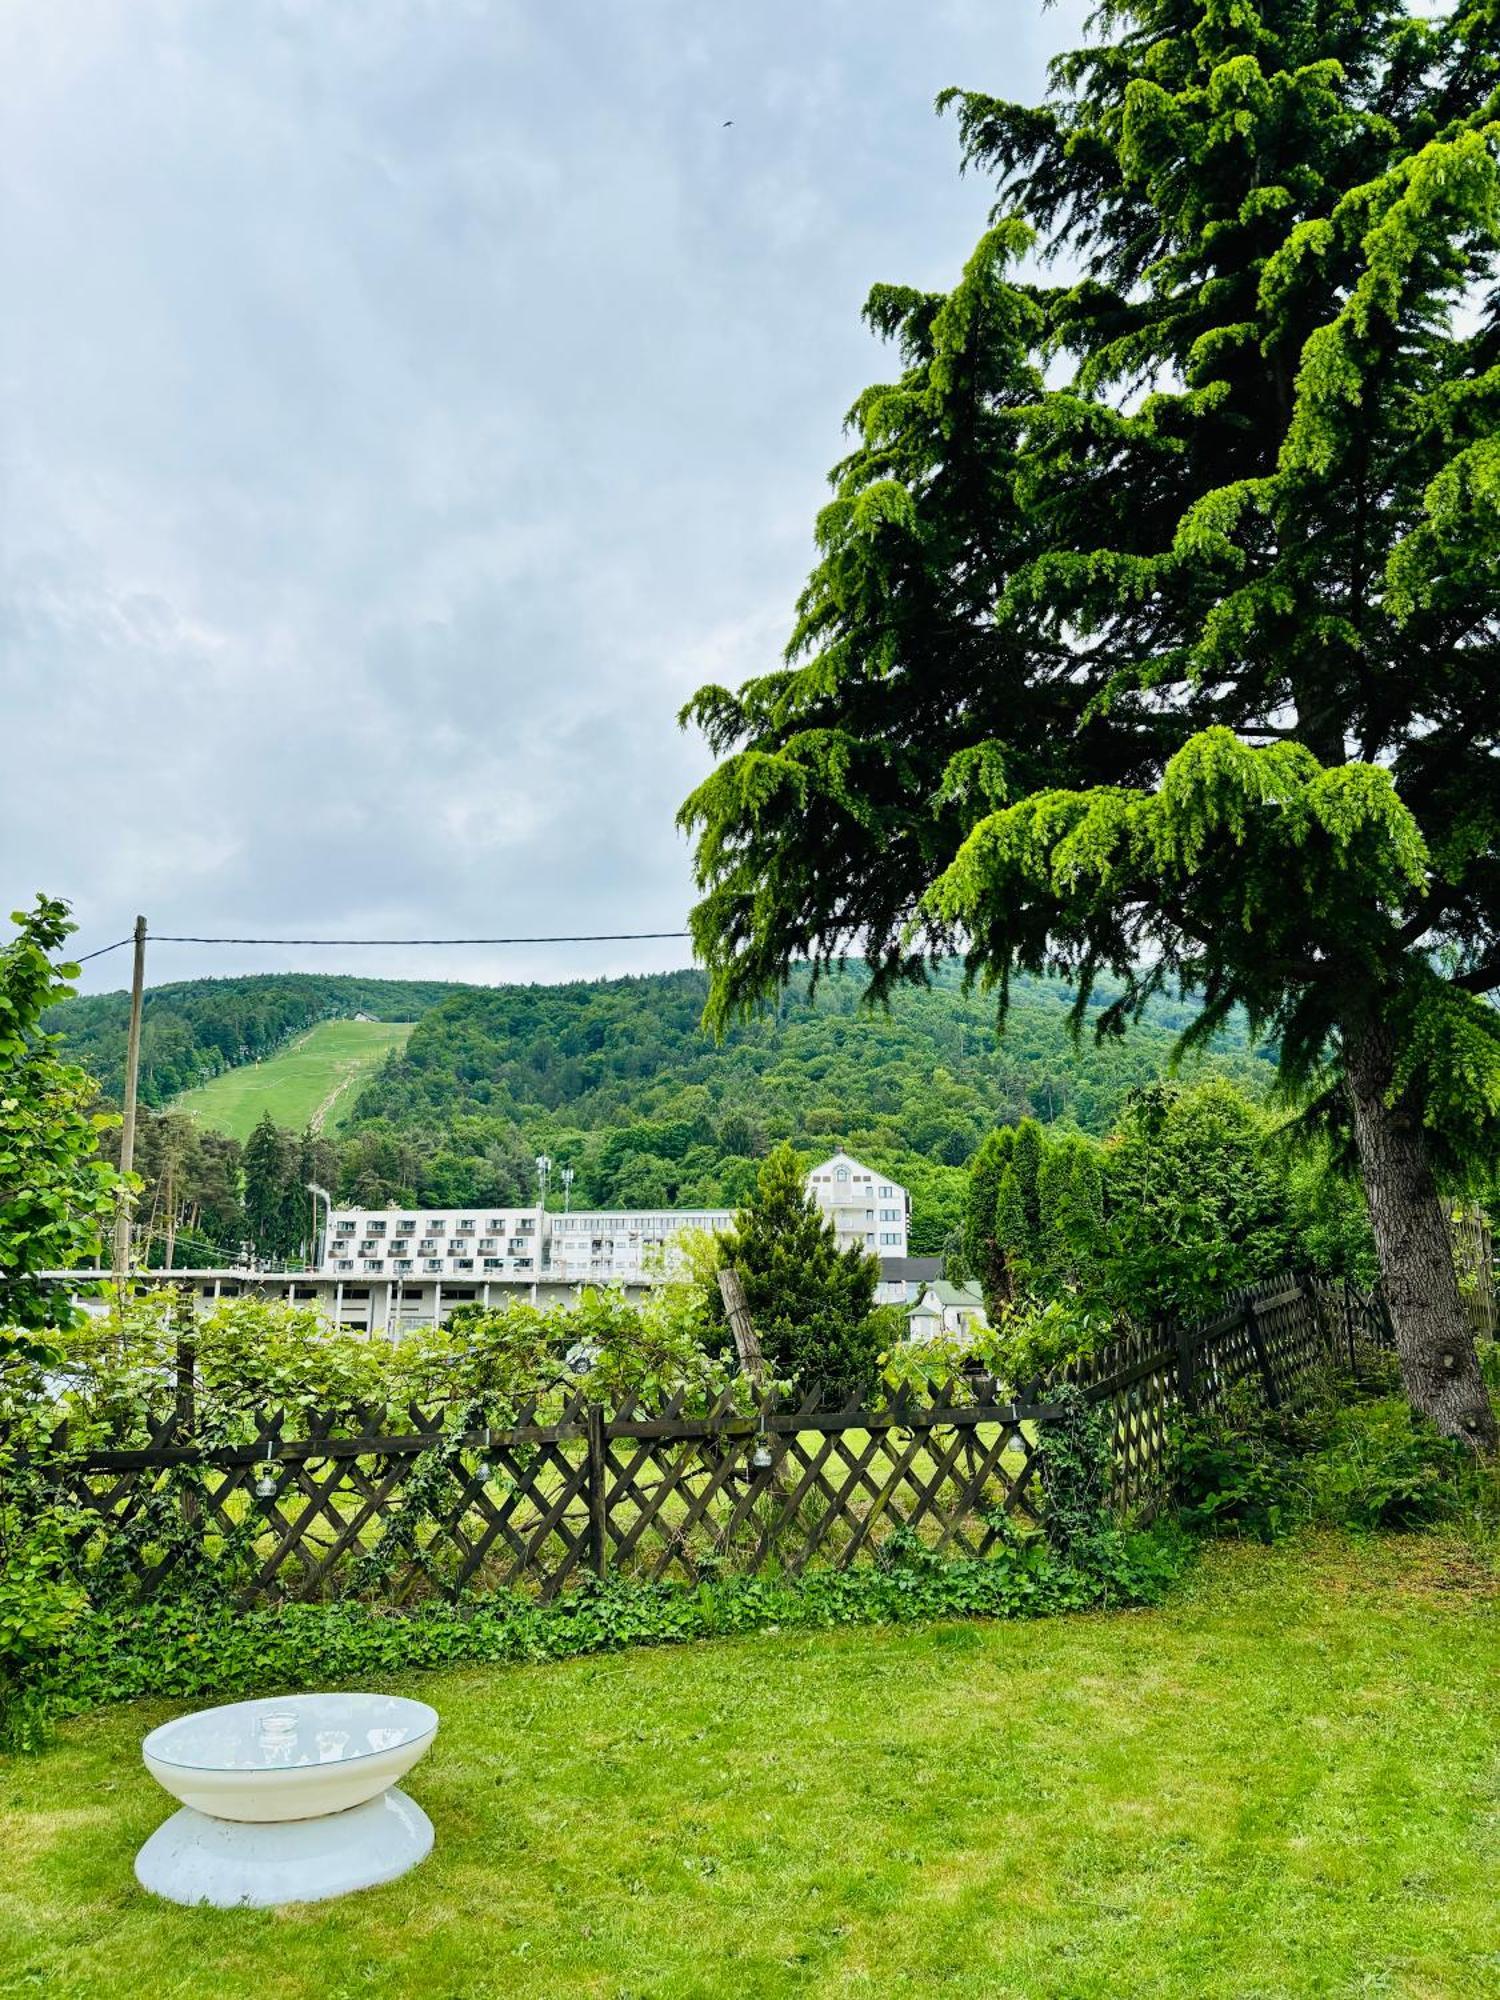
867	1209
389	1268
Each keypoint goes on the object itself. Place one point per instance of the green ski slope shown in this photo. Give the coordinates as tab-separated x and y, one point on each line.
313	1081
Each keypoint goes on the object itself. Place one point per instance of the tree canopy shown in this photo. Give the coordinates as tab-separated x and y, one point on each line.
57	1197
1154	628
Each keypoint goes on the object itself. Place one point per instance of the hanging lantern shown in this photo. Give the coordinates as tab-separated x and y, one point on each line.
265	1479
761	1459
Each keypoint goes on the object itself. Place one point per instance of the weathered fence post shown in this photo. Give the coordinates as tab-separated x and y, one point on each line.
746	1346
598	1470
1262	1356
1187	1384
185	1411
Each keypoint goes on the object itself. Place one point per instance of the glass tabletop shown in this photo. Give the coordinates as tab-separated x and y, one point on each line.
286	1731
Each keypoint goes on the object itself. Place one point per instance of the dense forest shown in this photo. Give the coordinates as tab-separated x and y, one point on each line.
617	1082
194	1028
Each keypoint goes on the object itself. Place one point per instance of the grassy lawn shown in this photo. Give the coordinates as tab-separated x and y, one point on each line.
312	1081
1284	1782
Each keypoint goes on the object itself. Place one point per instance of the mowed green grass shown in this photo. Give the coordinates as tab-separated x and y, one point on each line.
1281	1783
312	1081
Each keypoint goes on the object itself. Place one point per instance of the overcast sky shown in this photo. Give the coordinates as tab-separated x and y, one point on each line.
404	405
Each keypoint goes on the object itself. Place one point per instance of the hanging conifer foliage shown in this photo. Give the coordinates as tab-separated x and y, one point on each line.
1156	625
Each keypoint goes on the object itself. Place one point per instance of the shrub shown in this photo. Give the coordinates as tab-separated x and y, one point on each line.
1356	1459
1383	1467
1040	1337
1230	1480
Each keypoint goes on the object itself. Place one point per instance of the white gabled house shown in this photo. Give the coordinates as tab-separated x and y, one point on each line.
947	1309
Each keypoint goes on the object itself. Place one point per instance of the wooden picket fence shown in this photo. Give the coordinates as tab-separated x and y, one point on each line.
399	1504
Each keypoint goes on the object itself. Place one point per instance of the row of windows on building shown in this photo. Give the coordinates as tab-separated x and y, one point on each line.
404	1267
435	1225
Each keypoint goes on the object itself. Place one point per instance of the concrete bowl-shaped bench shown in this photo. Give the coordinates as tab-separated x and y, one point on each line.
287	1800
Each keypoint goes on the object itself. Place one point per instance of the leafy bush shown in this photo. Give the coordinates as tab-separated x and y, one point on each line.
1040	1337
1031	1340
1384	1467
1357	1459
40	1601
1229	1479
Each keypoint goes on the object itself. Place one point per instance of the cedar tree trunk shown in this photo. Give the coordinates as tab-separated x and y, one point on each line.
1434	1339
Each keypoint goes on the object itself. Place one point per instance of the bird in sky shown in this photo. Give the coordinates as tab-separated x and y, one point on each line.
727	123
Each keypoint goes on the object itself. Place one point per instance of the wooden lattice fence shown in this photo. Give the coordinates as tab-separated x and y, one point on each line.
402	1506
1280	1337
397	1504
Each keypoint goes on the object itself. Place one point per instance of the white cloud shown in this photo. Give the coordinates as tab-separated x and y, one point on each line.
404	405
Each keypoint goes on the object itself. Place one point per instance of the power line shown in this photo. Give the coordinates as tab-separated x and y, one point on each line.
590	937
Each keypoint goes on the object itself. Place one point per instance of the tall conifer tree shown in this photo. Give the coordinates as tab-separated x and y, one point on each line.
1156	628
810	1301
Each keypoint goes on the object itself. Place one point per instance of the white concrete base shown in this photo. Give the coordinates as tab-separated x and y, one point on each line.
237	1864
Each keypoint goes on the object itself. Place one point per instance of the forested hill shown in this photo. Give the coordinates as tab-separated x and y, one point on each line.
617	1080
195	1028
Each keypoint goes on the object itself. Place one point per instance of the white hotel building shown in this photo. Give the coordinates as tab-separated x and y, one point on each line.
385	1269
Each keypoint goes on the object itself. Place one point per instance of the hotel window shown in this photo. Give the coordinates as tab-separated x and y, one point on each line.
434	1263
886	1193
494	1263
436	1226
463	1263
890	1215
347	1229
889	1236
409	1225
403	1264
374	1229
346	1264
374	1264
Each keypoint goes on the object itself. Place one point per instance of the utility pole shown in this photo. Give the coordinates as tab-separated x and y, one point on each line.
171	1173
132	1080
